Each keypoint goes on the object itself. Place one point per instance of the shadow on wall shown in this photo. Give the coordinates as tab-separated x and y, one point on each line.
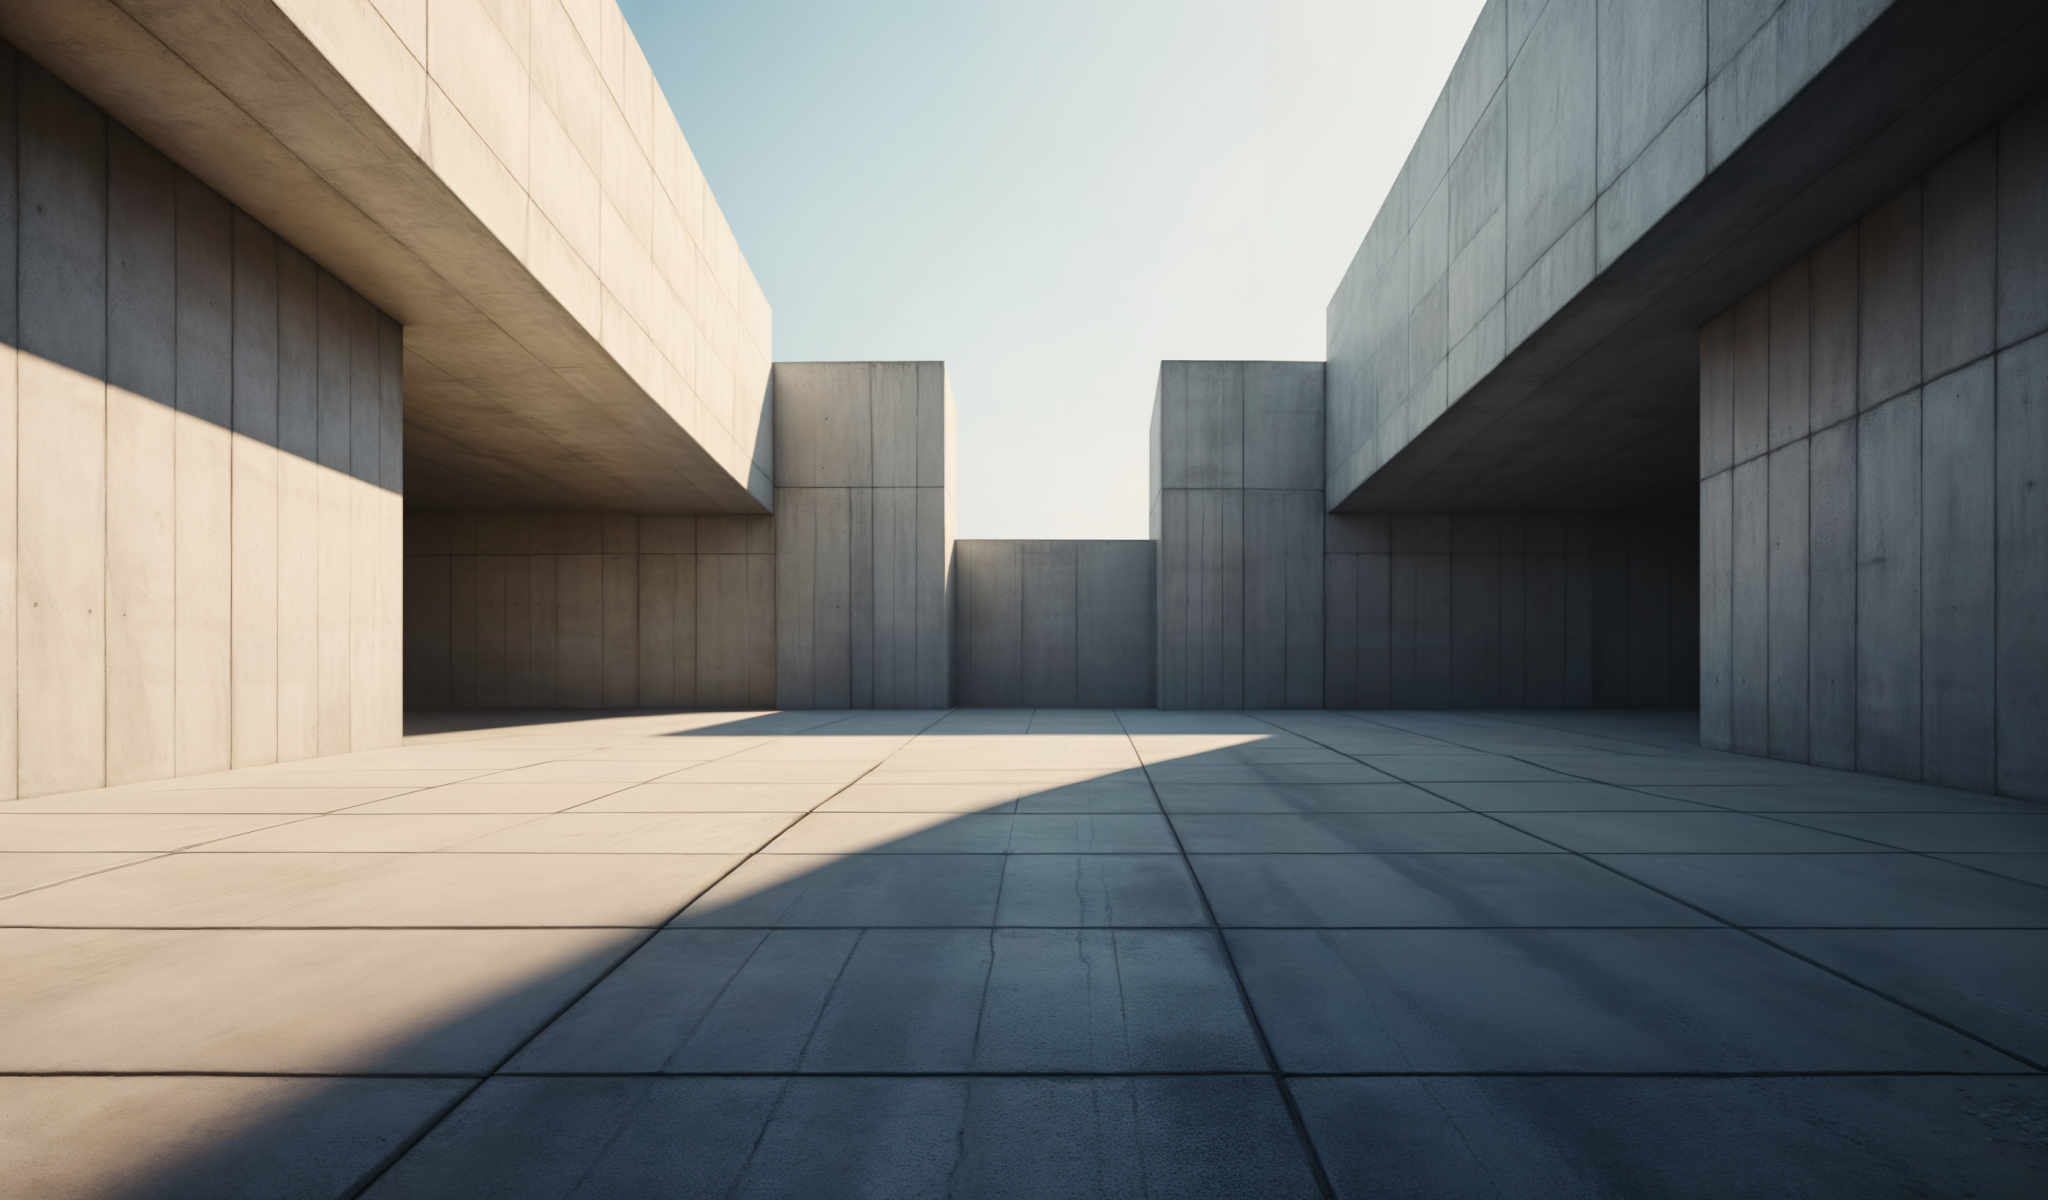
742	980
198	422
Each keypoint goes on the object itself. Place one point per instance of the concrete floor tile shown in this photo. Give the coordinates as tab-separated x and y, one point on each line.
1581	1000
731	771
1679	833
1867	794
1093	890
713	797
1091	833
1324	832
384	890
492	798
1299	798
963	798
1552	795
21	870
1458	768
1347	771
620	771
1839	889
895	833
1447	890
1112	1000
1992	983
1953	832
345	1001
2031	868
373	831
1698	1138
634	833
790	890
79	1137
125	831
208	800
1119	796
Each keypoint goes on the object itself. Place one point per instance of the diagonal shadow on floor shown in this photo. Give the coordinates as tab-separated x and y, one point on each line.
905	953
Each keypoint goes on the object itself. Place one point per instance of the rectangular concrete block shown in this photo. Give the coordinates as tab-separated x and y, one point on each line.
1202	415
1717	394
579	630
621	608
1958	596
1652	62
823	430
1888	582
298	355
1717	617
1790	670
1831	596
1833	317
334	542
203	449
1475	629
1050	621
832	640
1750	608
1960	226
992	623
1890	323
298	599
1791	344
2022	569
428	631
895	596
934	653
1651	184
1749	421
860	592
142	369
1283	425
1552	136
894	401
795	598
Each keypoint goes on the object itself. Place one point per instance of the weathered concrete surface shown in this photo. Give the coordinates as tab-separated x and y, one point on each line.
1886	617
1597	179
201	473
897	953
503	179
1052	624
863	535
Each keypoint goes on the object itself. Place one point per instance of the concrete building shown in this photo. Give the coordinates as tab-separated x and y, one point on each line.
381	384
283	270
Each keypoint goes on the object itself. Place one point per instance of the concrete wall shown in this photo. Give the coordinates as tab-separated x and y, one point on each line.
863	535
1874	486
1237	510
1510	610
1566	131
200	443
588	610
1054	624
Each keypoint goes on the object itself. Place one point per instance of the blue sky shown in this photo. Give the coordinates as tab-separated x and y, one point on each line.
1052	197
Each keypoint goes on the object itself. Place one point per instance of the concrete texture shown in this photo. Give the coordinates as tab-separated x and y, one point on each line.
1880	614
1543	610
1597	178
1054	624
804	953
583	610
1237	512
204	568
863	535
503	178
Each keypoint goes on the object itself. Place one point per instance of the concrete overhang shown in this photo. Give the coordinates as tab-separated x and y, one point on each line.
1598	406
532	378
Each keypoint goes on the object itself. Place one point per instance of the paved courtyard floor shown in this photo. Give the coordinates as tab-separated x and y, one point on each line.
1026	953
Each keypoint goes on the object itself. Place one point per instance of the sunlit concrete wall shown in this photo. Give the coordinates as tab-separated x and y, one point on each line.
1874	486
863	535
588	610
1054	624
200	450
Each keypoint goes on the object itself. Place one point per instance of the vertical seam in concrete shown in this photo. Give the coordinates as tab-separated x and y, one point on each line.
13	786
1997	172
106	433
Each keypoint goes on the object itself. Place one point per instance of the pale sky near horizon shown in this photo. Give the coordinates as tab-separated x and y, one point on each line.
1051	197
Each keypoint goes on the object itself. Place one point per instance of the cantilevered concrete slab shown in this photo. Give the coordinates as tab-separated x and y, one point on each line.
1597	179
503	179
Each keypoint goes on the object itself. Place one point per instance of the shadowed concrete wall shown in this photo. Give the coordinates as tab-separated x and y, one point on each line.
863	535
589	610
1510	610
1874	486
200	441
1054	624
1237	511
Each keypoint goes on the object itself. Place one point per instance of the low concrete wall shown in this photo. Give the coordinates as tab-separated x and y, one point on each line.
1054	624
200	440
589	610
1873	515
